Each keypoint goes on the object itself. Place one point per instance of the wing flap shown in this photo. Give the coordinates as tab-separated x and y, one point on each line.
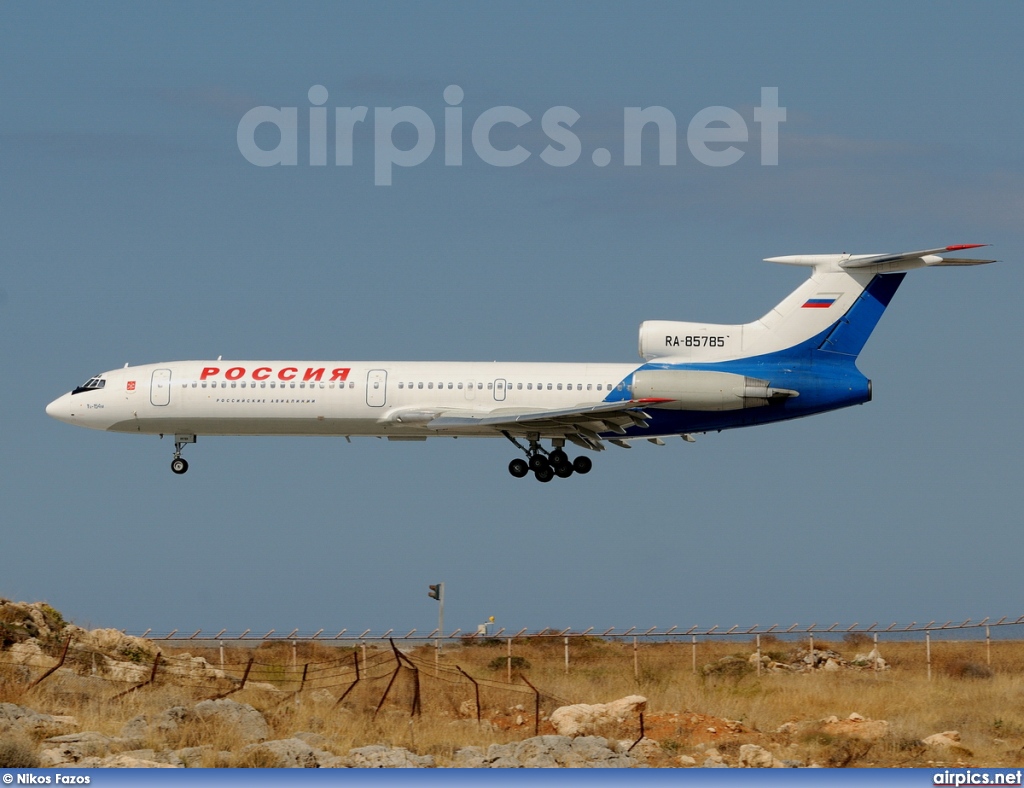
582	425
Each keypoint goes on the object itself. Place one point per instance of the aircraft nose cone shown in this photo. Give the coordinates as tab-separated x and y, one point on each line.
60	408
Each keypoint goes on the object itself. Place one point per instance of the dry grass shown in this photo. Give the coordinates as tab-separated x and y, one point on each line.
964	693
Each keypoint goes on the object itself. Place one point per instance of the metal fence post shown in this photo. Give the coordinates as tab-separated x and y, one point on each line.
476	692
63	656
928	652
536	705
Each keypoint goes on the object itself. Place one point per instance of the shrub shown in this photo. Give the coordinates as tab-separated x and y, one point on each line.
17	754
970	670
500	663
858	640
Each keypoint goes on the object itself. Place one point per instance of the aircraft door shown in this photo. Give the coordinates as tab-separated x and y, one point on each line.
499	389
160	387
376	388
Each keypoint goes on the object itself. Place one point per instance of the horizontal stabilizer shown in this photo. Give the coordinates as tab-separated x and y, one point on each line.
927	257
882	263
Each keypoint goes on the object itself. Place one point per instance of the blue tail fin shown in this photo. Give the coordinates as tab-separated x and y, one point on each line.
850	333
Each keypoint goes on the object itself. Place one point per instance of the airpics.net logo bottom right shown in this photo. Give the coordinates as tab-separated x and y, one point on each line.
712	134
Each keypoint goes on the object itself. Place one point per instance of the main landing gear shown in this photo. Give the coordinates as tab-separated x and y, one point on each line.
547	465
178	464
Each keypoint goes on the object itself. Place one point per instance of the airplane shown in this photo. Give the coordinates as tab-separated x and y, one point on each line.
797	360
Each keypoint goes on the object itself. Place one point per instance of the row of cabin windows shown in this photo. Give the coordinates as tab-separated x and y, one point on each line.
351	384
517	386
263	385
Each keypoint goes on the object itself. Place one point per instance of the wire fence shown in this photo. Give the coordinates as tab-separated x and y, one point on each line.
370	672
652	633
365	679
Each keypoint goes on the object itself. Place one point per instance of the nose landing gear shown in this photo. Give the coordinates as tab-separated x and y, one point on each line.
178	464
546	465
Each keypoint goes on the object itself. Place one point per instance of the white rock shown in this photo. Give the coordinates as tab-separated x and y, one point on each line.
377	756
944	739
644	748
582	719
286	754
126	760
754	757
248	723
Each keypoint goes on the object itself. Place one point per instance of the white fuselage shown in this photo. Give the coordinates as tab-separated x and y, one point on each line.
391	399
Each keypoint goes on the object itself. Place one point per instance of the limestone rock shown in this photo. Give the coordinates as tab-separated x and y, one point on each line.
857	726
545	752
582	719
712	757
24	720
754	757
195	757
469	758
872	660
643	749
160	726
377	756
949	742
127	760
73	748
285	754
248	724
944	739
315	740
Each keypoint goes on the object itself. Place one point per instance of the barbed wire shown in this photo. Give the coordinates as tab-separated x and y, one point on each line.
367	636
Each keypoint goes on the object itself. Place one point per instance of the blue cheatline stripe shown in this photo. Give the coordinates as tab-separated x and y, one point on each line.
719	778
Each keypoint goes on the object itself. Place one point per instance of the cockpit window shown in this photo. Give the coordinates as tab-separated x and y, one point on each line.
91	384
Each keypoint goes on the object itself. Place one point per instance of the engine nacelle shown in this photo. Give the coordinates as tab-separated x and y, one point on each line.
691	389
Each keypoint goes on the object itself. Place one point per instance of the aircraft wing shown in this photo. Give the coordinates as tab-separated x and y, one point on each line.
582	425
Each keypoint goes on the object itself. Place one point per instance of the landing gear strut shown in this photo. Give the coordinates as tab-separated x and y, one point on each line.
546	465
178	464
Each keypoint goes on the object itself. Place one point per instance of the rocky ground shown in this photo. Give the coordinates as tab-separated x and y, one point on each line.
226	732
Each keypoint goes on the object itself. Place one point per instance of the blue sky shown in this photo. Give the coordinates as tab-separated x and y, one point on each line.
133	230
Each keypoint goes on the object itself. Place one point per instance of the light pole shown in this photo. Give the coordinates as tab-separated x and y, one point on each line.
437	592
